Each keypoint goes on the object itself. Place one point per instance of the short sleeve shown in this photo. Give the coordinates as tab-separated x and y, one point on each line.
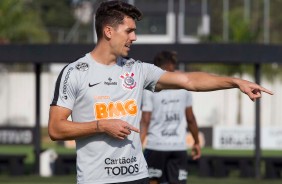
189	100
151	74
65	89
147	103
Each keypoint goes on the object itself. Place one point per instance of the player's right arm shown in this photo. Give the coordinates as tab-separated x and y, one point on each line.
60	128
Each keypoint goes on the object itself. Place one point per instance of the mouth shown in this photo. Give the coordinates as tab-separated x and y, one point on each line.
127	46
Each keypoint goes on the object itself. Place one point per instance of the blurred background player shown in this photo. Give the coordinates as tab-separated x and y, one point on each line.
164	122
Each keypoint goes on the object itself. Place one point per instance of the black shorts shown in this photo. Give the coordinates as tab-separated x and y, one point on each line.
140	181
167	166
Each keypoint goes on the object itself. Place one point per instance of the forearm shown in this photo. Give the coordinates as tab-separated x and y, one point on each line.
144	128
207	82
193	128
144	124
200	81
195	81
143	134
67	130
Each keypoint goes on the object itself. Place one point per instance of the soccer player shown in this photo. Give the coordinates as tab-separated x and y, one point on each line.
102	91
165	115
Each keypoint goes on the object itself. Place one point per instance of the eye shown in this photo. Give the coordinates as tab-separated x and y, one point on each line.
130	30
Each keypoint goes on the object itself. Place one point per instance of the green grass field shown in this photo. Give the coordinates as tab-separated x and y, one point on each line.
29	178
28	150
71	179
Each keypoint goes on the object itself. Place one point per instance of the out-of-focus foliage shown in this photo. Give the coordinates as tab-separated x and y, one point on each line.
255	20
20	23
59	20
275	21
57	14
241	31
29	21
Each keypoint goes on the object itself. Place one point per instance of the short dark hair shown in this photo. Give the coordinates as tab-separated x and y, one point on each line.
165	57
112	13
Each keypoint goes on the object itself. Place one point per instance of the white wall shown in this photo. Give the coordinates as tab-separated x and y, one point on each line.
17	99
221	107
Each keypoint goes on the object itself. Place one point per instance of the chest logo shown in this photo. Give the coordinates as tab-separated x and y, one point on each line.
115	109
128	81
91	85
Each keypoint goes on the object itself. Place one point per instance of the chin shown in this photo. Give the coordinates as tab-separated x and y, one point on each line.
124	54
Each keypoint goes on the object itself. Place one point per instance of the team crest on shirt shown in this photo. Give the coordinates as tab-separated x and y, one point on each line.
82	66
128	81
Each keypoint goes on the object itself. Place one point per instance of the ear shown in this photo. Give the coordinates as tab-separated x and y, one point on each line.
108	31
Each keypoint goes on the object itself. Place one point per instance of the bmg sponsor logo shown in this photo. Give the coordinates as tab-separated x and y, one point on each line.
121	166
115	109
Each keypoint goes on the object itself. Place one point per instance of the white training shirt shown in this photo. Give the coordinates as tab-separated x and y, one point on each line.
168	126
95	91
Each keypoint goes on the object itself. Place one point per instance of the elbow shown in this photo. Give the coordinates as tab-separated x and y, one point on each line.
53	138
56	137
54	134
188	84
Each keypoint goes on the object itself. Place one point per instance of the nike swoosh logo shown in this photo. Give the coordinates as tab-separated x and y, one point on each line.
91	85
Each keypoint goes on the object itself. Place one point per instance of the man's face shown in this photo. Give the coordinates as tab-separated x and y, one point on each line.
123	36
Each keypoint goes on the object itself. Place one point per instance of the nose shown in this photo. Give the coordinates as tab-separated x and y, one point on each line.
133	36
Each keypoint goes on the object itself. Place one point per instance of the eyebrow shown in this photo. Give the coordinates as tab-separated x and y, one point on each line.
131	29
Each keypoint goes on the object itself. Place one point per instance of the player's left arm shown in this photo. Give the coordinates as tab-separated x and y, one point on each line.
145	121
193	129
201	81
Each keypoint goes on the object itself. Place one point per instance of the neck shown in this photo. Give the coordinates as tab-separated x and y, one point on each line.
102	55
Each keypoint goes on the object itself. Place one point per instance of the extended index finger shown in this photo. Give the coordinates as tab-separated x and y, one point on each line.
266	90
130	127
